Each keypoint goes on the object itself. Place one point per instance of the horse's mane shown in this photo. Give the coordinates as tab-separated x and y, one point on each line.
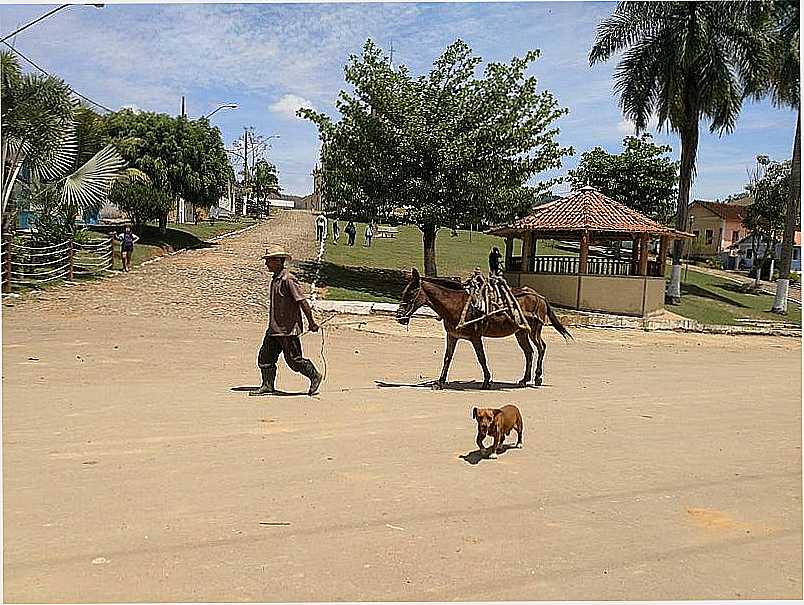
444	283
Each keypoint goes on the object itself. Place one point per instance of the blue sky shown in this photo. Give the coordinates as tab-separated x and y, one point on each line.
270	58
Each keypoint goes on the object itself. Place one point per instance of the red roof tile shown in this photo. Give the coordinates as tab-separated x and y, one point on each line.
585	210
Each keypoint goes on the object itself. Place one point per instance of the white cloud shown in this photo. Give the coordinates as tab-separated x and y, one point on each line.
288	105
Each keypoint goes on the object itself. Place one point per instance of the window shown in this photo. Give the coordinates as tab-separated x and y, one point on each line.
749	253
796	253
696	233
710	237
735	236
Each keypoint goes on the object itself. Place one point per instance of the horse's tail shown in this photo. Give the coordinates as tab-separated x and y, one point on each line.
557	323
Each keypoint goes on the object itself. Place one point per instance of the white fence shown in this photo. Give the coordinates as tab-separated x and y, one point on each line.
26	264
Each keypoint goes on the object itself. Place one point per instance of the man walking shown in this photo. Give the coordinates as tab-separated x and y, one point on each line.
287	301
320	227
351	231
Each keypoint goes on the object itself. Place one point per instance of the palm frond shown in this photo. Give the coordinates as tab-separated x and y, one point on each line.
88	187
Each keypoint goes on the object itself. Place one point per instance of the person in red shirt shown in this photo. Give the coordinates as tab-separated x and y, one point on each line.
287	302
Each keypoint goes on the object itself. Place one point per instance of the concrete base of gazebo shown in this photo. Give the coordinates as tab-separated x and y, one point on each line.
636	295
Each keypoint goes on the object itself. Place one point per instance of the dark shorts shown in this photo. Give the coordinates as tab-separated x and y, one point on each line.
128	249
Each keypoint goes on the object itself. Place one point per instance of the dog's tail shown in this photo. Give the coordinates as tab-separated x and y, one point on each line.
556	323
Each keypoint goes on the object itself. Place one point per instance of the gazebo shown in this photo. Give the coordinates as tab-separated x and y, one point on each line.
634	286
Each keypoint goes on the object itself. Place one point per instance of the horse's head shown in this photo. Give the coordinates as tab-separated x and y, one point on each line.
413	297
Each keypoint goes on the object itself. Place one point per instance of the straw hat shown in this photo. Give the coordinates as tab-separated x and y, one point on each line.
276	251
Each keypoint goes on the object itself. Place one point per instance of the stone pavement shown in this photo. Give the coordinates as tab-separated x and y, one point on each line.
227	279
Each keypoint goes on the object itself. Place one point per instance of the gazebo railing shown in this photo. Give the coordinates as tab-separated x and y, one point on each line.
568	265
556	265
608	266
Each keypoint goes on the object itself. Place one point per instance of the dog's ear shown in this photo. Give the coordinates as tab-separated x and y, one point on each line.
474	413
496	412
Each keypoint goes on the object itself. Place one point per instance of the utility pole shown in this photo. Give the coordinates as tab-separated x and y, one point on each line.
183	109
245	170
392	55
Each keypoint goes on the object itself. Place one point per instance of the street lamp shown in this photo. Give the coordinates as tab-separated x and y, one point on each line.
45	16
224	106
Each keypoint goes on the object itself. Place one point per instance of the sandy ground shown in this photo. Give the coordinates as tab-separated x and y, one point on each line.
136	468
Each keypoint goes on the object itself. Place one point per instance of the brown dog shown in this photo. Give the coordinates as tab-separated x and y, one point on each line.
497	423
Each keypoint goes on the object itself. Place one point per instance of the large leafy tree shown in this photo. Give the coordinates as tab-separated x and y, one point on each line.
43	158
785	91
769	185
685	62
135	194
184	158
642	177
447	146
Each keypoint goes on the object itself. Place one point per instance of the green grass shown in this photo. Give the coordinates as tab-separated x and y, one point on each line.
376	273
712	300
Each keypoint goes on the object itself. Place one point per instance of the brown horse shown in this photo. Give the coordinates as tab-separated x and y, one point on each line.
448	298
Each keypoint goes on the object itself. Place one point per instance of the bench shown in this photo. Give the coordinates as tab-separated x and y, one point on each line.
386	231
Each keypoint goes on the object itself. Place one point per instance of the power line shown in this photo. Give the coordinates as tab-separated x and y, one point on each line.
75	92
45	16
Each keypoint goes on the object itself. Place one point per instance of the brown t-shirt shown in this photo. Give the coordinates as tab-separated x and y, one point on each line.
285	311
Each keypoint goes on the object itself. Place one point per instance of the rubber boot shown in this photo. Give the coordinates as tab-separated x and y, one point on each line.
267	386
315	378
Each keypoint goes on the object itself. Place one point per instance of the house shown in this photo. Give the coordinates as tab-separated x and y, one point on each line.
740	255
716	226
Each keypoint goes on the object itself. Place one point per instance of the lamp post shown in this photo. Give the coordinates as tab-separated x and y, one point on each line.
224	106
45	16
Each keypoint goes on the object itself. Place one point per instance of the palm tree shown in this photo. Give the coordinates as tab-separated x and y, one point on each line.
684	62
264	182
784	90
39	140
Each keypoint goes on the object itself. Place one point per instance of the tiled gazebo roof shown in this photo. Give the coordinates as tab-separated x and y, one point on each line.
586	210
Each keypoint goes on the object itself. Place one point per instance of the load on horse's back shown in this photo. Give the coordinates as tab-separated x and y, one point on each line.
488	297
452	301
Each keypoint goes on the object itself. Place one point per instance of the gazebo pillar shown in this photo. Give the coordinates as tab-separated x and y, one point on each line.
582	261
634	256
527	238
643	254
663	246
509	252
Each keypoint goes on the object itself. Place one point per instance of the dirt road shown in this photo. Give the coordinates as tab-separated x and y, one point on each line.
136	468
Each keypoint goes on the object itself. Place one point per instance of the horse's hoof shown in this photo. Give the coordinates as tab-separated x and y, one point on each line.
538	382
523	383
438	385
518	446
493	456
486	386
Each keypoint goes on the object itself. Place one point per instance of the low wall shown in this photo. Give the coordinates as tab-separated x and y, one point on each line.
623	295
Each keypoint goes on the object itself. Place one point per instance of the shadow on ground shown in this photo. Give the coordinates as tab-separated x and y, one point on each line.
173	239
693	290
387	283
276	393
476	456
466	385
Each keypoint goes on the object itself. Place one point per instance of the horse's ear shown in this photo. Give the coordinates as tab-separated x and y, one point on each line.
474	412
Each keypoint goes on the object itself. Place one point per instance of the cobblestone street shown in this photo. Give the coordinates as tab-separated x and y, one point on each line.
226	279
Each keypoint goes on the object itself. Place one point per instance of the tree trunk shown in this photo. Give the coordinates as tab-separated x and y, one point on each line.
429	238
689	151
163	224
791	222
